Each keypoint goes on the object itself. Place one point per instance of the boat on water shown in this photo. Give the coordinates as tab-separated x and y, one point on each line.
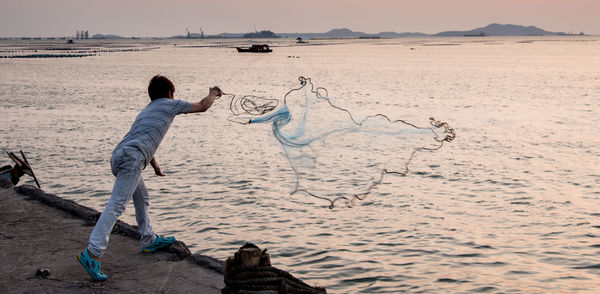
264	48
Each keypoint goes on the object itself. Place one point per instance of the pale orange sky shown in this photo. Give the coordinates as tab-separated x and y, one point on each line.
147	18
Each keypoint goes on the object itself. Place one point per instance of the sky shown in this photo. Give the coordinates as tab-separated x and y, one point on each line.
152	18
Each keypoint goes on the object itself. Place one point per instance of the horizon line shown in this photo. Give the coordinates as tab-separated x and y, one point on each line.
290	33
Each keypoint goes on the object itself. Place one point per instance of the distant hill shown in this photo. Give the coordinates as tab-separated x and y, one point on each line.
500	30
335	33
100	36
400	35
229	35
343	33
347	33
261	34
490	30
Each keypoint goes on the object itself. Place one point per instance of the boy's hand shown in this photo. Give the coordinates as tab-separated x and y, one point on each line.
215	92
156	168
206	103
158	172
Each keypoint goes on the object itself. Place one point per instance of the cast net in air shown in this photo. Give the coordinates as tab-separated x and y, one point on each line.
335	156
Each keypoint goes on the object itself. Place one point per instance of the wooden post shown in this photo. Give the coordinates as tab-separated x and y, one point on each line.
31	169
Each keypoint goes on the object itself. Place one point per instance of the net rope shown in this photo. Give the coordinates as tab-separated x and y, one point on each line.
328	148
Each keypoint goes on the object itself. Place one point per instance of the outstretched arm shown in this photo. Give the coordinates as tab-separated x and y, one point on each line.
156	168
207	102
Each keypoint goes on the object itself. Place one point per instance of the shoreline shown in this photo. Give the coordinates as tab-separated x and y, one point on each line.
43	231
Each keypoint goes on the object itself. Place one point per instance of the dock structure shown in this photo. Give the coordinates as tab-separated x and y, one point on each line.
42	233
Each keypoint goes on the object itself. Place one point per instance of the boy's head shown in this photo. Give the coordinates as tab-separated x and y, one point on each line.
160	87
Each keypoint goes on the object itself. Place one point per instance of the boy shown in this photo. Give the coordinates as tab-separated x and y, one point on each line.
128	160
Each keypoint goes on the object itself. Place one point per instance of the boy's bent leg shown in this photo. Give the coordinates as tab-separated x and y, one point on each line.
141	201
125	185
149	240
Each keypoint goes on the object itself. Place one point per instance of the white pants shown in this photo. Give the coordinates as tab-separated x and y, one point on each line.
127	164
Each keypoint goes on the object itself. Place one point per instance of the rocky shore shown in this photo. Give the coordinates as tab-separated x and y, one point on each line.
42	233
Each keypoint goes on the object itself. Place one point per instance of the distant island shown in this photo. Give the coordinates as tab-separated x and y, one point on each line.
501	30
489	30
346	33
261	34
100	36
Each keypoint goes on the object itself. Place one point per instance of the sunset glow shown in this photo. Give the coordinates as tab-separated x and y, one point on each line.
160	18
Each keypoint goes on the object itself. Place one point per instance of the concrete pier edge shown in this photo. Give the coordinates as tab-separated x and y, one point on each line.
90	216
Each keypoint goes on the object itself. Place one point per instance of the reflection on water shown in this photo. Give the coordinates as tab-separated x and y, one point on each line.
512	205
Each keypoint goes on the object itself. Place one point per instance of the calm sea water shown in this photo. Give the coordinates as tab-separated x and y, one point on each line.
511	205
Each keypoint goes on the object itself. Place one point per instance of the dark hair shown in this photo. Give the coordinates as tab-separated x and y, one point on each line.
160	87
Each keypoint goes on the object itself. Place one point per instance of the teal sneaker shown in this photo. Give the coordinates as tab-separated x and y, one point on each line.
160	242
94	268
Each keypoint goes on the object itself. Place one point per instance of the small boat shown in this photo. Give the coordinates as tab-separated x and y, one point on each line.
255	49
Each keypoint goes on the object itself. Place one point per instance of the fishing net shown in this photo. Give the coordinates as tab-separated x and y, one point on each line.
334	155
